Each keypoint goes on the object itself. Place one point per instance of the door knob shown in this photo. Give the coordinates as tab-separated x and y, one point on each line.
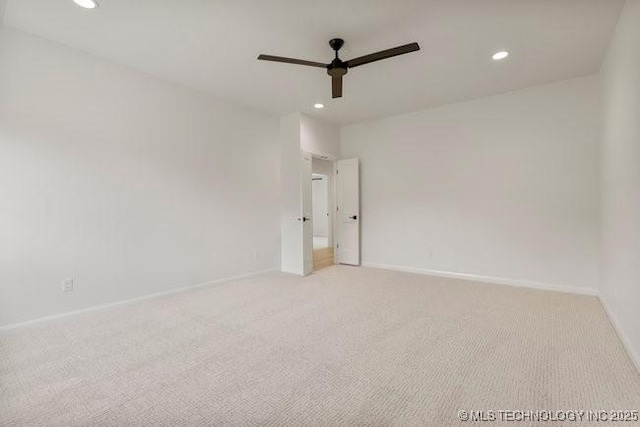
354	217
304	219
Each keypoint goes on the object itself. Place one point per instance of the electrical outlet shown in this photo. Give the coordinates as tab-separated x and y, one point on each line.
68	285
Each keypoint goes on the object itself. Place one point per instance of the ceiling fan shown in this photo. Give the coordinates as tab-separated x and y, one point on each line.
338	68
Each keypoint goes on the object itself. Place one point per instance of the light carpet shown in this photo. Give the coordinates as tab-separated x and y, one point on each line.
343	346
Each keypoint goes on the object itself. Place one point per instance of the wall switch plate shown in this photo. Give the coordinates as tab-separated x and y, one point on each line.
67	285
256	255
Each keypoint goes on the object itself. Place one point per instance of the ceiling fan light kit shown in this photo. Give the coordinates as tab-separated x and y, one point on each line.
338	68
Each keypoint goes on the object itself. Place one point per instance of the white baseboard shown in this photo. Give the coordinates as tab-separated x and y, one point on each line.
626	342
136	299
488	279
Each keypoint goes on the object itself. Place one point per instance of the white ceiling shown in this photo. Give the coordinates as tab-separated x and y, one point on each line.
213	44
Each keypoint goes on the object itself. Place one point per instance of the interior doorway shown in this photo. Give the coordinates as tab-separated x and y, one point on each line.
322	207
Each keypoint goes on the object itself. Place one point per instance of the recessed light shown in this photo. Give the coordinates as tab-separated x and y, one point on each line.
87	4
500	55
318	106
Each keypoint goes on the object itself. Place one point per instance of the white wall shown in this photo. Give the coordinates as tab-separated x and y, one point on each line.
319	138
127	183
320	190
620	283
501	187
325	167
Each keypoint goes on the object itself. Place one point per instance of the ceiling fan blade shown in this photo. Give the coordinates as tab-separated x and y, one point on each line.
383	54
336	86
291	61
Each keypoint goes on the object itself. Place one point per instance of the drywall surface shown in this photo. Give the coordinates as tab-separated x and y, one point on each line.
320	195
502	187
620	283
323	167
128	184
319	138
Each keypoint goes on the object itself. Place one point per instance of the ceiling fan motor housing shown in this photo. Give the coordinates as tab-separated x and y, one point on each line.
337	68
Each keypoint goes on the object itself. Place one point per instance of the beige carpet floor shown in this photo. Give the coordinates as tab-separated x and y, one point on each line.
343	346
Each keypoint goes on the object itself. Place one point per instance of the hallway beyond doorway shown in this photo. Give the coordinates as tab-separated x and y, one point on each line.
322	258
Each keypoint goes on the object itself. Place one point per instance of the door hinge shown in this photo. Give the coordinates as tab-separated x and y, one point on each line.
337	172
337	245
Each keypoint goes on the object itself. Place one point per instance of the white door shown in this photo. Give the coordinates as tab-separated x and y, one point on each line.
348	211
306	218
